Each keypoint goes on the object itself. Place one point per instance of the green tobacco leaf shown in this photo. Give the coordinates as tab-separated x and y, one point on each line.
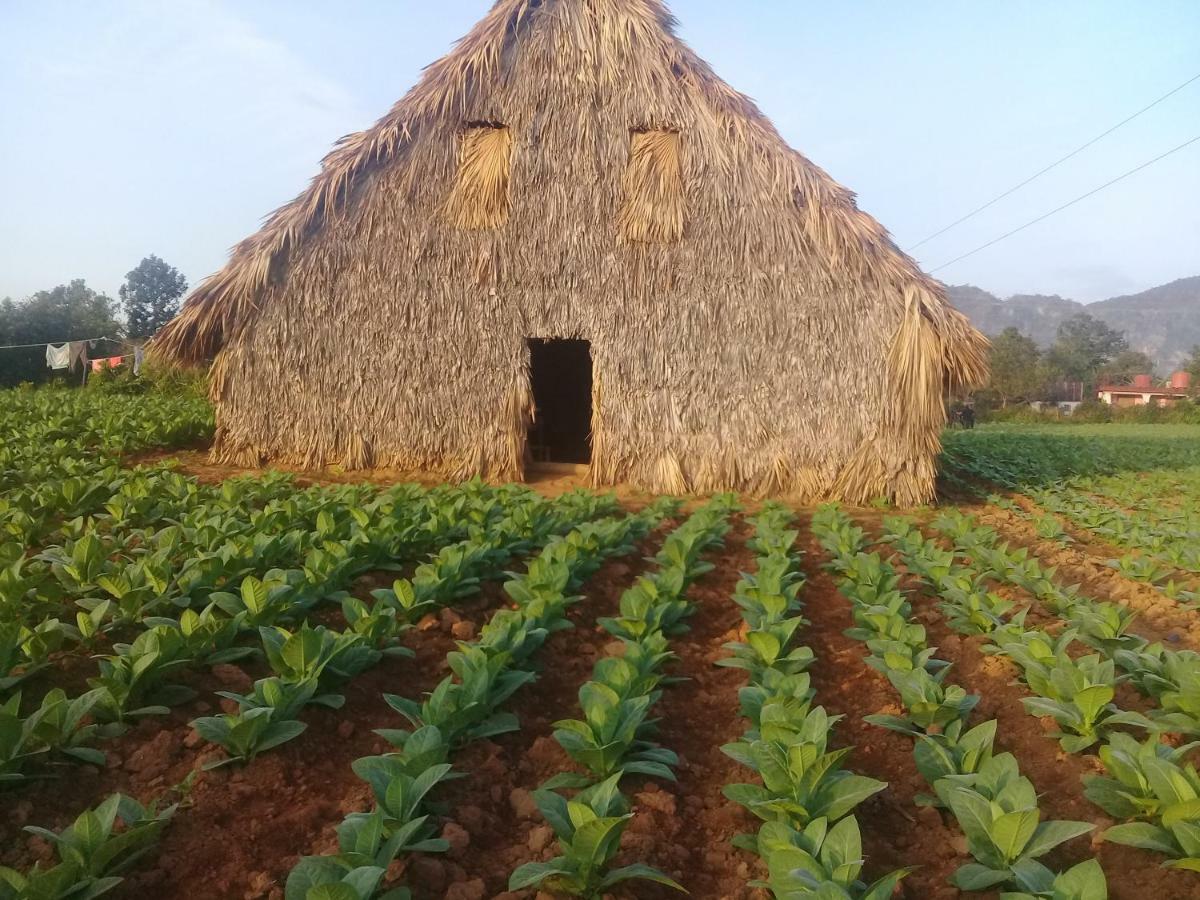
1144	835
641	872
1012	831
1084	881
533	874
1050	834
974	877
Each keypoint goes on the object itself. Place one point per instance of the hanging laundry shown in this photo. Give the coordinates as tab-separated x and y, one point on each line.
79	354
58	357
109	362
139	354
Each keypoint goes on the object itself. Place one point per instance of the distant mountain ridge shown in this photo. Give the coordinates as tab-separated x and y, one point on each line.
1163	322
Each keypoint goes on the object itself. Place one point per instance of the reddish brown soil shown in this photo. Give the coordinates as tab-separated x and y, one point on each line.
685	828
195	462
143	762
1083	563
490	817
149	759
246	827
1037	617
240	829
896	832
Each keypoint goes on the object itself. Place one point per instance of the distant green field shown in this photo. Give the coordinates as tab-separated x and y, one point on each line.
1017	456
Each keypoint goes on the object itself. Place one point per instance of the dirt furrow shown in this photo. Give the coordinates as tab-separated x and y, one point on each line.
685	828
158	752
896	832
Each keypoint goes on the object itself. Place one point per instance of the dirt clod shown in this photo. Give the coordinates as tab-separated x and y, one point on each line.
540	838
467	890
233	678
522	804
456	836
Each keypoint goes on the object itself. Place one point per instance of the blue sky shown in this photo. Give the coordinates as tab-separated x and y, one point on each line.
131	127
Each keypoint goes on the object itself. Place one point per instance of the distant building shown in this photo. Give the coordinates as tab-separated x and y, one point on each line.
1144	392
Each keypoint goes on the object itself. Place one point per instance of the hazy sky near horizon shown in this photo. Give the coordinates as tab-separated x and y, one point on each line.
130	127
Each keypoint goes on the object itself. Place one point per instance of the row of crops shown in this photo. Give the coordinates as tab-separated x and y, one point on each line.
141	580
1133	491
995	807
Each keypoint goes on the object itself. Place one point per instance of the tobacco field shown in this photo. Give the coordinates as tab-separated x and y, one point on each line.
219	684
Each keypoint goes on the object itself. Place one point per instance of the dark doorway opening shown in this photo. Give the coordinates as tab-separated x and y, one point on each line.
561	372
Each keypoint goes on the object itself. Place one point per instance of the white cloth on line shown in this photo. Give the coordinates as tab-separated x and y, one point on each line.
58	357
138	355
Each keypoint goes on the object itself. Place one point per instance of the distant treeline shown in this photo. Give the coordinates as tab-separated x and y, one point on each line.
148	299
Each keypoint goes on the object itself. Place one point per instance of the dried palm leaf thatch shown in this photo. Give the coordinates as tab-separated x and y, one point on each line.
572	169
653	210
480	196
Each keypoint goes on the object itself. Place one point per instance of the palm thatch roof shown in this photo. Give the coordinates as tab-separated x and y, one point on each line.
573	169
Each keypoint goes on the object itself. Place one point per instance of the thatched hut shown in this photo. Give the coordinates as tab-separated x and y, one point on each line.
572	240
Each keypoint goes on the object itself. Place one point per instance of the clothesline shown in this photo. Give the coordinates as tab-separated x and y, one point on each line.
102	337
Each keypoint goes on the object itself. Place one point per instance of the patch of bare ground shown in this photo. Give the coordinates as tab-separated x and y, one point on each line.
489	815
1132	874
1159	617
685	828
896	832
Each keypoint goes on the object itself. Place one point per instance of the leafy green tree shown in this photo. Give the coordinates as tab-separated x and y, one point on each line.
1084	346
1124	366
1016	370
151	295
68	312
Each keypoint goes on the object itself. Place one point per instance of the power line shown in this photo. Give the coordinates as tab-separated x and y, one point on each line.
1058	162
102	337
1058	209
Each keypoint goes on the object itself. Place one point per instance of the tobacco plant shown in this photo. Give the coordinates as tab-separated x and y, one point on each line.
819	861
998	812
267	717
802	779
91	852
588	828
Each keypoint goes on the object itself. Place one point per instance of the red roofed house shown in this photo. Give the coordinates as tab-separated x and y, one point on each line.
1143	391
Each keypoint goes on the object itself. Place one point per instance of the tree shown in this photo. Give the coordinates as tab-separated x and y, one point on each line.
1084	346
150	296
1192	367
1016	373
1124	366
68	312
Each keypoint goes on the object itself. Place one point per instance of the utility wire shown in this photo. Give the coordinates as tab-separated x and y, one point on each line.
1052	165
102	337
1058	209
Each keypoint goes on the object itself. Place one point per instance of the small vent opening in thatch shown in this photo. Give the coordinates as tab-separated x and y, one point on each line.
560	373
653	210
480	197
